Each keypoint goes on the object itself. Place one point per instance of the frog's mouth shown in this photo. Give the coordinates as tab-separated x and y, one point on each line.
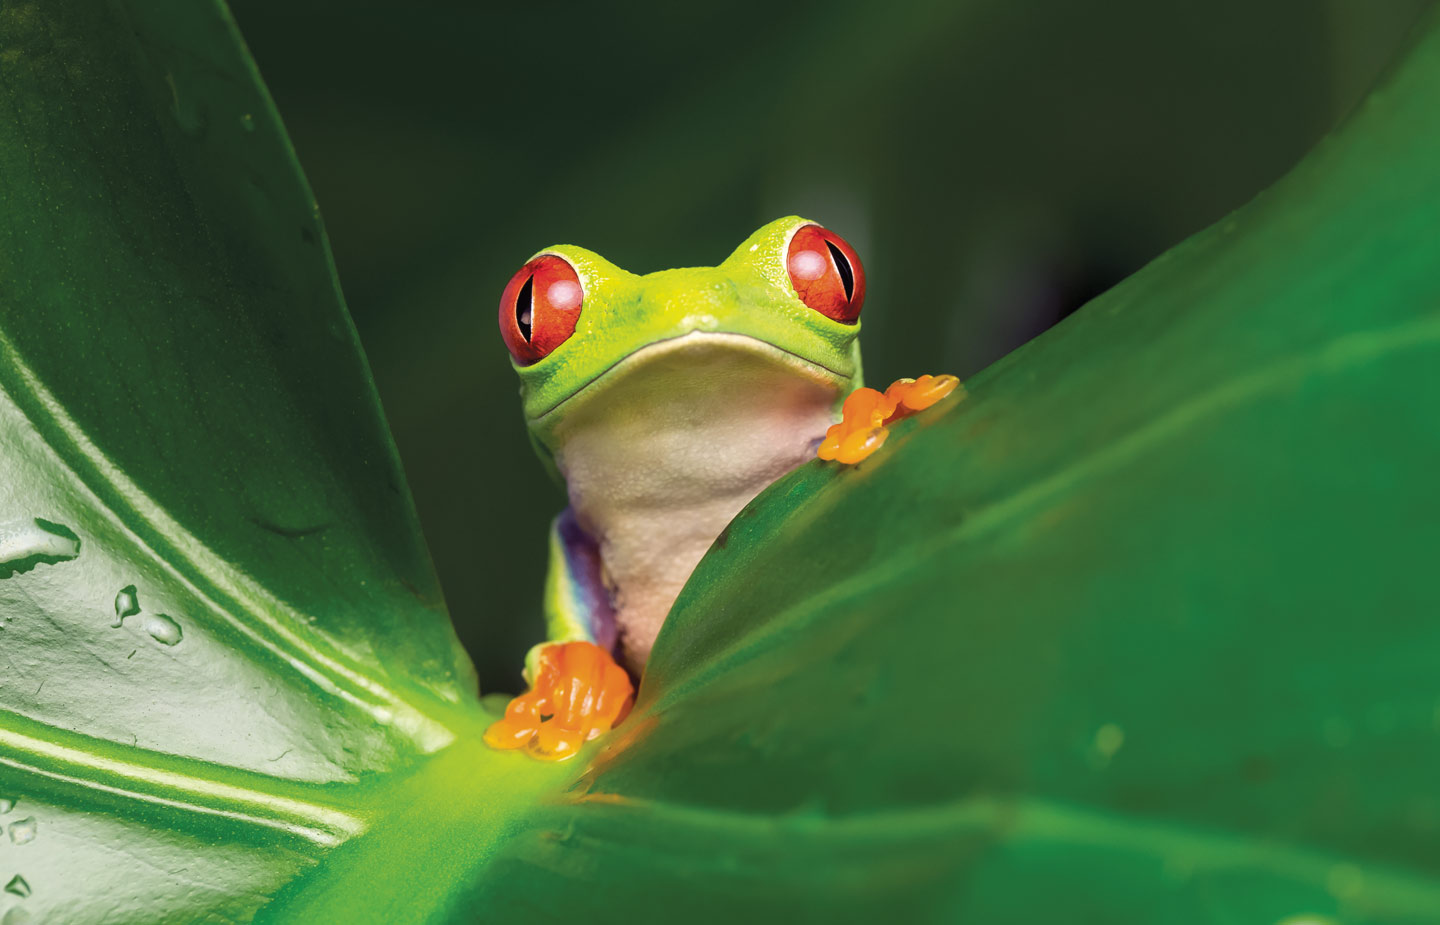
673	370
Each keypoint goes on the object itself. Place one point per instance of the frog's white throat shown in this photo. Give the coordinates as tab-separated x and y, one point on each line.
663	450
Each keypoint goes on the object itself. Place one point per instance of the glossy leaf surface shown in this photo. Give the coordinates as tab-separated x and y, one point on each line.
192	444
1141	631
1141	628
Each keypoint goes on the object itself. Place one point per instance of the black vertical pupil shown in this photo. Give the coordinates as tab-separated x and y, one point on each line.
523	312
847	275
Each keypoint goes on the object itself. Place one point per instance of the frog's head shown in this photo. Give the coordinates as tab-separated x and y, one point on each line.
785	305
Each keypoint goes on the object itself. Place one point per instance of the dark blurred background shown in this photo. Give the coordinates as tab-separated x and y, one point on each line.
996	163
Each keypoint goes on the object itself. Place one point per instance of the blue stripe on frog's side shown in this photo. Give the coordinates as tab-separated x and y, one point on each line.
577	606
588	598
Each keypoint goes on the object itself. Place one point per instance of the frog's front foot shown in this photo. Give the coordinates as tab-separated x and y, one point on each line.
868	414
579	693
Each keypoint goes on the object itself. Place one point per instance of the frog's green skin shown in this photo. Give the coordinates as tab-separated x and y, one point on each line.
680	396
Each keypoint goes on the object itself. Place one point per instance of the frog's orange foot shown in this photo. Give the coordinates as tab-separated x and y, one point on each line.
867	415
579	693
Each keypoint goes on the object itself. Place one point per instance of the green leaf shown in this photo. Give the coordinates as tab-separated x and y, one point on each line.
1142	630
186	414
1136	632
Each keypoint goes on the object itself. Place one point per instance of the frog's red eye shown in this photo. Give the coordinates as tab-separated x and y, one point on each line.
539	308
826	273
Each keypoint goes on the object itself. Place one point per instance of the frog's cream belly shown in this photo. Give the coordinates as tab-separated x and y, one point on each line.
667	447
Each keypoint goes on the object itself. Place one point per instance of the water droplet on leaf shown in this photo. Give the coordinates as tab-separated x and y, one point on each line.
1345	881
18	886
163	630
1108	739
23	832
27	543
189	111
127	604
6	804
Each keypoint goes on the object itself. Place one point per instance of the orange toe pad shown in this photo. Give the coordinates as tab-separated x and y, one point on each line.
579	693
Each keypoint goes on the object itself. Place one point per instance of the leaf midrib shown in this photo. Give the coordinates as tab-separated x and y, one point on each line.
74	761
268	621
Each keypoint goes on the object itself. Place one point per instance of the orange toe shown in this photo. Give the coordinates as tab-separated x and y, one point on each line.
912	395
860	444
522	720
553	743
866	407
504	734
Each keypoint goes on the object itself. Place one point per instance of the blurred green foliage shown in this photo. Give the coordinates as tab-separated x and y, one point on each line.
995	162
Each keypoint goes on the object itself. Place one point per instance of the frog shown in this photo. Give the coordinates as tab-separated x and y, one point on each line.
665	403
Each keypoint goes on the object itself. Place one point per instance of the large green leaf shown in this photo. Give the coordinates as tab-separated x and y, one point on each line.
1140	631
1144	630
185	413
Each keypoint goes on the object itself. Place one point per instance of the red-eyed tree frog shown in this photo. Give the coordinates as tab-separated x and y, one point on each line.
667	402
